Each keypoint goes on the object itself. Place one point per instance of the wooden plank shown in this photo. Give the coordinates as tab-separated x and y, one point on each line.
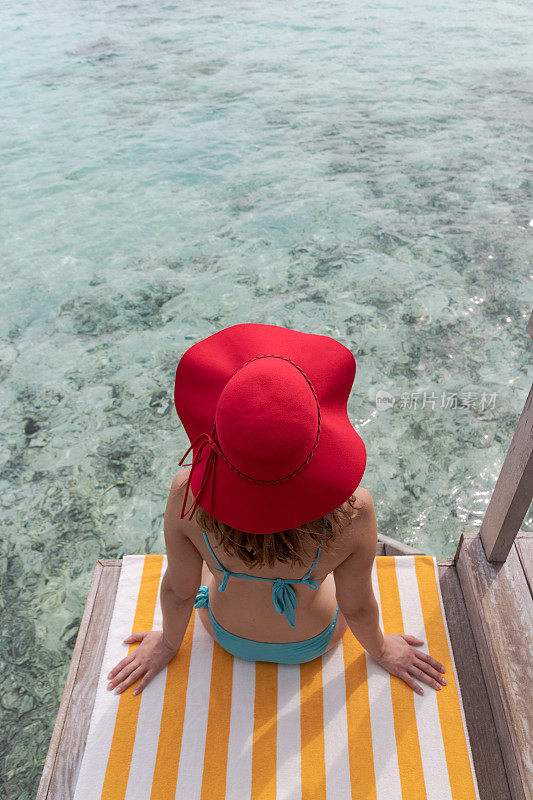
446	562
71	728
500	609
486	753
393	547
512	494
53	748
524	548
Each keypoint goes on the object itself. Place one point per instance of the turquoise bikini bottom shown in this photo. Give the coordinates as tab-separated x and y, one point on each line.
280	652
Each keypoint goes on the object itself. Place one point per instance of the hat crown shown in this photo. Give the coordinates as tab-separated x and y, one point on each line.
267	418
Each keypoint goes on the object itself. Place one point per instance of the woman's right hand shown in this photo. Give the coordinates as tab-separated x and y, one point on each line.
400	658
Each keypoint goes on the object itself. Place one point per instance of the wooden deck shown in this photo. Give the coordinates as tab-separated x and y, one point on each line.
72	724
500	607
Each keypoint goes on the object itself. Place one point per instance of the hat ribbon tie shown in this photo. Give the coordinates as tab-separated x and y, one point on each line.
214	451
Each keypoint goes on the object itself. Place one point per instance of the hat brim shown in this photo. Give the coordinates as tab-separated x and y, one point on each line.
339	460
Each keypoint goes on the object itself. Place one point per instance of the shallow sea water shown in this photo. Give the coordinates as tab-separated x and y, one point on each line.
169	169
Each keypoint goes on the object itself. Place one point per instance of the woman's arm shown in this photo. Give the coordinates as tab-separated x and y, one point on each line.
178	589
353	579
355	596
183	575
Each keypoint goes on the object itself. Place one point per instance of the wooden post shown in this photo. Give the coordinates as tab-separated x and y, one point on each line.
514	488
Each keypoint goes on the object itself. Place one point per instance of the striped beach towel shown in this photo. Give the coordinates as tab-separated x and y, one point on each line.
211	726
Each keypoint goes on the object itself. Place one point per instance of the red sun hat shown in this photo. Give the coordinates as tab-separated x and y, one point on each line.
265	409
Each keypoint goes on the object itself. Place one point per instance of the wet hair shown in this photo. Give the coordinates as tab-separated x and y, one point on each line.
257	549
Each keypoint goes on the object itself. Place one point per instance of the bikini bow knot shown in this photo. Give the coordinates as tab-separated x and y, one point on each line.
202	597
284	600
214	452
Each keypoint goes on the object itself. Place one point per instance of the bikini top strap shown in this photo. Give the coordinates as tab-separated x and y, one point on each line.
320	548
306	579
317	556
223	569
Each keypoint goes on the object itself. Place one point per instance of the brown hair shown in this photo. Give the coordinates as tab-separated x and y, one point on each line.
267	548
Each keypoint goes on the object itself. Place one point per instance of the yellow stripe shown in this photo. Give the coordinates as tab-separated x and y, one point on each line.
403	703
360	752
264	756
312	730
218	720
171	731
119	761
453	733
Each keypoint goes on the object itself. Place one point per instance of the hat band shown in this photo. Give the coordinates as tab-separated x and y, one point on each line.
216	450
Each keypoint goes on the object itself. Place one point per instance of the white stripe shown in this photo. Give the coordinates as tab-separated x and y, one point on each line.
474	778
338	784
191	764
241	730
96	754
149	722
386	767
430	739
289	753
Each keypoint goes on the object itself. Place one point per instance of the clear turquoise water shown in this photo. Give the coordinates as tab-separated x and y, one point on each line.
172	169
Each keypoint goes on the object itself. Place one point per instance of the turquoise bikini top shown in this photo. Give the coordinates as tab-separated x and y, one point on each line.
283	595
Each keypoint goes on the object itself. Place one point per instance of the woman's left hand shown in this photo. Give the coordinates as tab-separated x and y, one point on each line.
152	655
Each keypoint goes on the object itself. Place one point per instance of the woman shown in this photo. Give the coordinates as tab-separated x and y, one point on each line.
279	521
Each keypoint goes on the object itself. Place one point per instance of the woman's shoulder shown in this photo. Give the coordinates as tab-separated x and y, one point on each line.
359	502
362	525
179	480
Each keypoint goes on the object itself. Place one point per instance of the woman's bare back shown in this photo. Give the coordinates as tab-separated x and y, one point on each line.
245	607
